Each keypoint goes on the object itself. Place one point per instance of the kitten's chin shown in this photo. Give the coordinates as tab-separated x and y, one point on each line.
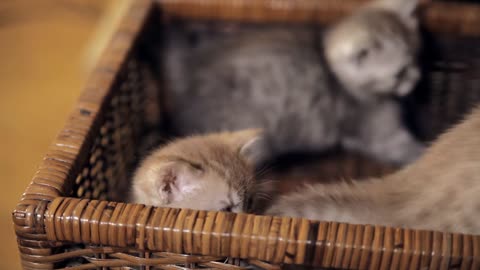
368	94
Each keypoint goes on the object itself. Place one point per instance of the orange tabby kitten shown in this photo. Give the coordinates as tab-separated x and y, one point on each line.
440	191
210	172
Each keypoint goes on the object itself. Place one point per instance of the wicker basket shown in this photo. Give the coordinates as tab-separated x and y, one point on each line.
64	219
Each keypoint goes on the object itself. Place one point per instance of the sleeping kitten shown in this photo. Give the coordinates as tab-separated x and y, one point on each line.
211	172
440	191
308	94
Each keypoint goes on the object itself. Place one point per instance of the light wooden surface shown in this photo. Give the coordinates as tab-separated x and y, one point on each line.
43	47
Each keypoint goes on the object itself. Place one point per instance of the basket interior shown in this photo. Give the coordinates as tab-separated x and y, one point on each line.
136	118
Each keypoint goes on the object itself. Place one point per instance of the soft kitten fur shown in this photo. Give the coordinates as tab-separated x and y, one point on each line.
440	191
210	172
279	79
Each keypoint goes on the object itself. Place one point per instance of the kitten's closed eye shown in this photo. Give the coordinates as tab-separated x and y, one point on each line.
361	55
196	166
365	52
227	209
231	208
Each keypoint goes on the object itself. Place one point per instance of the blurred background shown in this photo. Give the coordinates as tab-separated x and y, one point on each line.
47	49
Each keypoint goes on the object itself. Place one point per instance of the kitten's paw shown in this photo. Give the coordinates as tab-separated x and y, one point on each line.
398	148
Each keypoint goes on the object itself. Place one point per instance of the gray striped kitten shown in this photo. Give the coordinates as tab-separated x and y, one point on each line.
439	191
309	91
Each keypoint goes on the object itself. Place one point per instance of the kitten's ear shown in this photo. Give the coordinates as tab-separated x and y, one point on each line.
252	145
175	178
406	9
255	150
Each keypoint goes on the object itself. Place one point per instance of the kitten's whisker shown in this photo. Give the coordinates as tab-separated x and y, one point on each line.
264	195
265	169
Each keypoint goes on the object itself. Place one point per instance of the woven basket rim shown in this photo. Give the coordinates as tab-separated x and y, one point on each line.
462	19
38	213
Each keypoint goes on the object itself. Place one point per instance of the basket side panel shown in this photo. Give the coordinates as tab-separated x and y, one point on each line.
450	86
90	157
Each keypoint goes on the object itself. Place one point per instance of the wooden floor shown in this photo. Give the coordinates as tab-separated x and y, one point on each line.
43	47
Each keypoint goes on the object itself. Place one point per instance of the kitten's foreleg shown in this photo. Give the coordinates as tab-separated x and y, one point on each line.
383	135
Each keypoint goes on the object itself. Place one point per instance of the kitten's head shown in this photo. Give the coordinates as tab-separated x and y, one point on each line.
373	52
211	172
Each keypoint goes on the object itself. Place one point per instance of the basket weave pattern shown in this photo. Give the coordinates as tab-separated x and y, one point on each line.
70	214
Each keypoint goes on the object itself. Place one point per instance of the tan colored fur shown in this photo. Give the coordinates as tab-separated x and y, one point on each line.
440	191
210	172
